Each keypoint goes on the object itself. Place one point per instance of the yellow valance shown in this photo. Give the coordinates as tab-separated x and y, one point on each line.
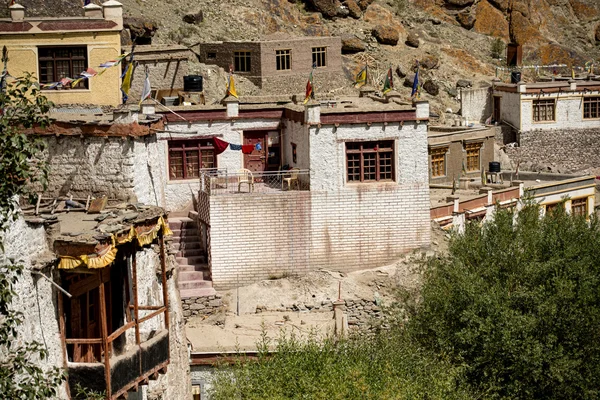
107	256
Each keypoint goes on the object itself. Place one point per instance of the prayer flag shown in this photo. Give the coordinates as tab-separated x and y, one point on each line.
236	147
361	78
126	85
572	73
76	82
231	86
88	73
65	81
147	90
415	87
309	89
388	85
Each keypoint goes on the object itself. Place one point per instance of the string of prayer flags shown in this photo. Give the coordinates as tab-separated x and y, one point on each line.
236	147
248	148
219	145
245	148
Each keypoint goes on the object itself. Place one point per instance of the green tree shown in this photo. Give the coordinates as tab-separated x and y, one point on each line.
518	305
21	107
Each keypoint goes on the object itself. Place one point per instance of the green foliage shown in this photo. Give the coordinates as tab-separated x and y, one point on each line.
497	48
80	392
518	305
21	107
387	366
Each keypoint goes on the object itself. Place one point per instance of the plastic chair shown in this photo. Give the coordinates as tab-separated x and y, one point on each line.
290	178
245	176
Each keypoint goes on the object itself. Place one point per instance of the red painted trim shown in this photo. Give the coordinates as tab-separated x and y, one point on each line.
274	114
293	115
196	115
357	118
75	25
15	26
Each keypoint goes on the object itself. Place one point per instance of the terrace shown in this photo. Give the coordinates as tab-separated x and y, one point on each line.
243	182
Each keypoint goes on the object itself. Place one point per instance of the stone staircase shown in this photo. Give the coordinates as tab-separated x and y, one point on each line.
194	274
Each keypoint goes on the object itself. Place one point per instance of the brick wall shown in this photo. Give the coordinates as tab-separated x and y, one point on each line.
254	237
560	150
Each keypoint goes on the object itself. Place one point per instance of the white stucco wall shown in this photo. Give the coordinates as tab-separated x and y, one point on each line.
476	104
295	132
510	108
569	112
36	298
328	152
178	194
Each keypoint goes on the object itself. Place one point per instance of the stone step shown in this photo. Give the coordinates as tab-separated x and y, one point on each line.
191	268
189	252
185	276
182	223
202	292
193	260
185	232
186	239
195	284
185	246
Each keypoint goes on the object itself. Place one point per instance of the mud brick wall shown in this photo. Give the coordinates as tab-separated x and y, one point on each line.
255	237
560	150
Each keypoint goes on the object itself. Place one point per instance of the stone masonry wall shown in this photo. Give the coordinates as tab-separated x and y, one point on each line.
260	236
202	306
559	150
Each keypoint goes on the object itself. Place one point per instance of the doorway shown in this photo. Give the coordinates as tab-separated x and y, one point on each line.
496	116
268	158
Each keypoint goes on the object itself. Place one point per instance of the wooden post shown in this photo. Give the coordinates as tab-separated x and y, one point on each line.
163	267
63	336
134	286
105	340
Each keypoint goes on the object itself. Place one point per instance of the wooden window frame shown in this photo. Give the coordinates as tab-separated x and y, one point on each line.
553	206
48	54
283	58
473	147
591	107
382	147
544	110
580	204
438	151
242	61
319	56
183	146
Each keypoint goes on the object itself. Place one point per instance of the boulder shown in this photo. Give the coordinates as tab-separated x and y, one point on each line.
452	92
431	87
328	8
463	83
400	71
412	40
490	21
353	8
386	35
429	61
193	18
409	80
351	44
465	19
502	5
141	30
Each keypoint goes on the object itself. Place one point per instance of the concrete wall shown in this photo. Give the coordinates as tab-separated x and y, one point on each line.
560	150
101	47
476	104
456	155
255	237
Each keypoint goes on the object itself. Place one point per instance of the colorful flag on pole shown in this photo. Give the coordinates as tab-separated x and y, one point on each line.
147	90
361	77
388	85
126	85
231	86
309	89
415	87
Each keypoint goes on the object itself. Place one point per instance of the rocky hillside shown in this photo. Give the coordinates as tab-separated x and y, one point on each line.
452	39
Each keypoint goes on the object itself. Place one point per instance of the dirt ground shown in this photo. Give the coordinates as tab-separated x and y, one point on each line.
239	327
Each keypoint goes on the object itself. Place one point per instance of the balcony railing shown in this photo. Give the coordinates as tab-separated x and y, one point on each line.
220	182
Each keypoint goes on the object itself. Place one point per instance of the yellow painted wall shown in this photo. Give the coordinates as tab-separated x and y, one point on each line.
101	47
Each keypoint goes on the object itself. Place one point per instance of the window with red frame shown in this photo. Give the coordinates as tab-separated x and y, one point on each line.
370	161
188	157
